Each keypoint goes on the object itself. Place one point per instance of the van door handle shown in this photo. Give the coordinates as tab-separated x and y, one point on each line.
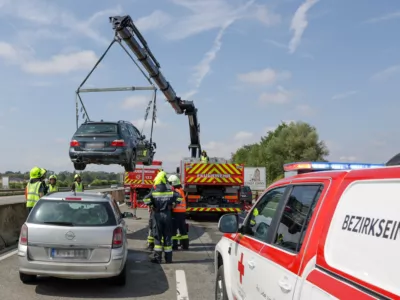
285	286
251	264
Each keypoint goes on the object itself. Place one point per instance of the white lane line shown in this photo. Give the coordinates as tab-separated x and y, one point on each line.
181	286
7	255
121	204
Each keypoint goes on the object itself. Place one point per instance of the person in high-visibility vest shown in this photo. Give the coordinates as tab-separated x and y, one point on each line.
35	188
52	187
44	174
77	185
204	157
179	216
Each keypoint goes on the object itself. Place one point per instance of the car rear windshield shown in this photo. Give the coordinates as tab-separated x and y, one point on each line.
97	128
72	213
246	189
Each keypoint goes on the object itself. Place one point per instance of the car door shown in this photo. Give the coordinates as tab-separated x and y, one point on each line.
281	256
244	259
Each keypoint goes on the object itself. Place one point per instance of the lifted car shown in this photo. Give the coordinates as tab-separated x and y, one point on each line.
106	143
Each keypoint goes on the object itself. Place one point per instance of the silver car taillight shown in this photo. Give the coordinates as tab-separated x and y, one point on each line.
23	238
117	238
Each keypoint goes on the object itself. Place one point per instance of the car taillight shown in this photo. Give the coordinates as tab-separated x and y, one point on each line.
23	238
74	143
118	143
117	238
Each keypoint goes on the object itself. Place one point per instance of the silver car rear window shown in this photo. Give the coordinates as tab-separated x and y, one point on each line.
72	213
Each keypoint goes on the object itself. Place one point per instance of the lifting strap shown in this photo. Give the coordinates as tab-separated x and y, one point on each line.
151	103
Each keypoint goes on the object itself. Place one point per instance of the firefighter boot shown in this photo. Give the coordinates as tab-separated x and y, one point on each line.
185	244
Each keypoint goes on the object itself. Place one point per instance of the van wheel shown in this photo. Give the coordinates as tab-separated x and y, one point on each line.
131	165
79	166
120	280
220	288
25	278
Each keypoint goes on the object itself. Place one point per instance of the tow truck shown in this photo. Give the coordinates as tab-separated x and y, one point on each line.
139	183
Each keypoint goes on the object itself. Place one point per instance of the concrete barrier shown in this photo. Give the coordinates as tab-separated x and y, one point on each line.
12	217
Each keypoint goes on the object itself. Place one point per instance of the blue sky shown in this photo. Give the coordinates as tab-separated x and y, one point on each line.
247	65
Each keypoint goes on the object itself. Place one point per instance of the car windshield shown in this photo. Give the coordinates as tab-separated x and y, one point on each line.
72	213
97	128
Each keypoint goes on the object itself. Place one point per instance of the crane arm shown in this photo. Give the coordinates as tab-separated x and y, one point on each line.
126	30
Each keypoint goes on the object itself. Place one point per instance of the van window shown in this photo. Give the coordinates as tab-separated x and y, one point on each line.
72	213
296	216
264	211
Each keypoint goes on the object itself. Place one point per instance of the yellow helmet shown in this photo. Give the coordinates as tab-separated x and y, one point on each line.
53	177
77	176
160	178
35	173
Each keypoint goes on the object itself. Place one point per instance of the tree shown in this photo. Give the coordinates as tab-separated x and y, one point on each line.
287	143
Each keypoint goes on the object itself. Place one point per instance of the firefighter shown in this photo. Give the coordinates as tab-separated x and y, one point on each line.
35	188
77	185
52	187
43	178
161	200
204	157
179	216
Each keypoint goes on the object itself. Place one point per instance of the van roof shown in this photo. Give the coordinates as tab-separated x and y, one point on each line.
84	196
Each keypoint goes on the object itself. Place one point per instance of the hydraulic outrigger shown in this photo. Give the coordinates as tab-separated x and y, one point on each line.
125	30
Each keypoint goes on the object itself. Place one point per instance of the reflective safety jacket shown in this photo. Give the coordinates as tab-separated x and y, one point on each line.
32	195
204	159
180	207
52	188
78	186
161	198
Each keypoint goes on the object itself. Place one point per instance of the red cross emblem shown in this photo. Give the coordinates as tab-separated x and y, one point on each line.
241	268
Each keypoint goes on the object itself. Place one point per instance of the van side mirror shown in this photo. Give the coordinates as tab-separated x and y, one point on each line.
178	170
228	223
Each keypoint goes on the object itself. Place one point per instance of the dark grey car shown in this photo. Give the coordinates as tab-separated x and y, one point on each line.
106	143
246	195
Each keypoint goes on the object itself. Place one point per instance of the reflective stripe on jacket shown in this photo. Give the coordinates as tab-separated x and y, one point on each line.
180	207
32	195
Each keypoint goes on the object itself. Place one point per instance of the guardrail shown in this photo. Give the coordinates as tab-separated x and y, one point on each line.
15	192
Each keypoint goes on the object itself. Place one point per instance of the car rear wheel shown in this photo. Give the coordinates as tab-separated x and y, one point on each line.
131	165
220	288
25	278
120	280
79	166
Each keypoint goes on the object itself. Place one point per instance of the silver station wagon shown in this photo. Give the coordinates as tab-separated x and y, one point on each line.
75	236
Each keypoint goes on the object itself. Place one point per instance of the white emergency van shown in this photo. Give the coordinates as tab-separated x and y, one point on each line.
315	236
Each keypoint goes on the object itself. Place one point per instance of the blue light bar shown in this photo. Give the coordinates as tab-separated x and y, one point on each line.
343	166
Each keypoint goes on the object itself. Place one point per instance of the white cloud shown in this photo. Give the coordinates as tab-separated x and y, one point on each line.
386	73
277	44
344	95
157	19
140	122
387	17
243	135
299	24
266	76
8	52
305	110
265	16
135	101
281	96
62	63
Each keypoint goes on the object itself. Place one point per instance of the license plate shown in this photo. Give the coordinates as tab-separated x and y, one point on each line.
68	253
94	145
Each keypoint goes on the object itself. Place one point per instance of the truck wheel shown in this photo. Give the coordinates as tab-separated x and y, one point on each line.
25	278
220	288
79	166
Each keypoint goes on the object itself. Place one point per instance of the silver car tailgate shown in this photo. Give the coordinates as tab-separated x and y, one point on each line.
70	243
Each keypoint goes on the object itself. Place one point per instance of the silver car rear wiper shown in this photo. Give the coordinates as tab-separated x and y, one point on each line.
59	223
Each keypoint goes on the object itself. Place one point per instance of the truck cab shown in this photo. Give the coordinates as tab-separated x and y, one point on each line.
315	236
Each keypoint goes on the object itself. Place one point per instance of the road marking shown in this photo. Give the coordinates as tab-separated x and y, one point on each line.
7	255
121	204
181	286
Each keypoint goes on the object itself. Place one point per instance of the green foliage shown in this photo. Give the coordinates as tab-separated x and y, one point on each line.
287	143
65	178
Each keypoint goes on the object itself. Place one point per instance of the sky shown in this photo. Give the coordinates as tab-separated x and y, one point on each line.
247	65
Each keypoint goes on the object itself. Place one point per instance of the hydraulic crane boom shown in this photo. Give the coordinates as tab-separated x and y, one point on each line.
126	30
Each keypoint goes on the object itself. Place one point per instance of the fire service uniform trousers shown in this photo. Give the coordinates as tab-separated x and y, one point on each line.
181	237
162	231
150	236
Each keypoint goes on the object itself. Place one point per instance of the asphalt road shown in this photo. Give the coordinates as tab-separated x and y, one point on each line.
146	280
